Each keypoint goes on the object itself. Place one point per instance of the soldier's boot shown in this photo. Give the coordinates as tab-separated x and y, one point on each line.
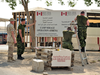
9	59
12	59
22	57
19	57
82	50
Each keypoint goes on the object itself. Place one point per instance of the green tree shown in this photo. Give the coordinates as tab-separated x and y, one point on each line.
71	3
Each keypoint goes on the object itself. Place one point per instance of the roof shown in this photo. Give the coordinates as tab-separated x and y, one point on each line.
38	8
3	20
96	10
34	9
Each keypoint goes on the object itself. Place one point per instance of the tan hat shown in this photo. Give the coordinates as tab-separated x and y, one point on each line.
11	19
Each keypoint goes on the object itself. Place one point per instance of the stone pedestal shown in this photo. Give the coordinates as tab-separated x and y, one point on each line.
38	65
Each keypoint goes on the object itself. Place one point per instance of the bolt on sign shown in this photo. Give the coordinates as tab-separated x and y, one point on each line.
52	23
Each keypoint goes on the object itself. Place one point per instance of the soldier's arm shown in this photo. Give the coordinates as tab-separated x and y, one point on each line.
75	27
12	33
75	19
31	24
10	28
20	33
87	22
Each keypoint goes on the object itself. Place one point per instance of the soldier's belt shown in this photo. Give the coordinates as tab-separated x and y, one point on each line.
82	27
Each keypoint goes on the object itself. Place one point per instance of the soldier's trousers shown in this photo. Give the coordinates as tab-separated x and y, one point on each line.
67	45
10	49
82	36
20	47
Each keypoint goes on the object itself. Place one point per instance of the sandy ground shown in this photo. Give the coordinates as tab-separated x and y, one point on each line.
24	67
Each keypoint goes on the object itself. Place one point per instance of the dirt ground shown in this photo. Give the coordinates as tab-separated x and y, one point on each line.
24	67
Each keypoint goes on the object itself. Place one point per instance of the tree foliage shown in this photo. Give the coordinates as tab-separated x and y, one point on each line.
71	3
12	3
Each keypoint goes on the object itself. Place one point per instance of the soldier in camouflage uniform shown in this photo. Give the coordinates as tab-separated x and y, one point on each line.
11	39
67	42
20	38
82	22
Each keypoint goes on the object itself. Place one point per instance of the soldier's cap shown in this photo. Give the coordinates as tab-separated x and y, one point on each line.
12	19
82	12
22	19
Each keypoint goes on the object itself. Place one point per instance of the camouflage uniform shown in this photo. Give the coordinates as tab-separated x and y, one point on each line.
20	45
67	43
10	40
81	20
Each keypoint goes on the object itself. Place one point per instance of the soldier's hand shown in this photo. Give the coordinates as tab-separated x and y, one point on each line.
22	41
34	22
75	27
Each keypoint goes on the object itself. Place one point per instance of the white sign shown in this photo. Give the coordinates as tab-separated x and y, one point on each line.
53	23
61	58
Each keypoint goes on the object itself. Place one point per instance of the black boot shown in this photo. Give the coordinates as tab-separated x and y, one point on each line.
82	50
19	57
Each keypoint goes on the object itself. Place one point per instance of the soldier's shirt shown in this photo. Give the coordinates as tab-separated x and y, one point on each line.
22	27
10	28
68	35
81	20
